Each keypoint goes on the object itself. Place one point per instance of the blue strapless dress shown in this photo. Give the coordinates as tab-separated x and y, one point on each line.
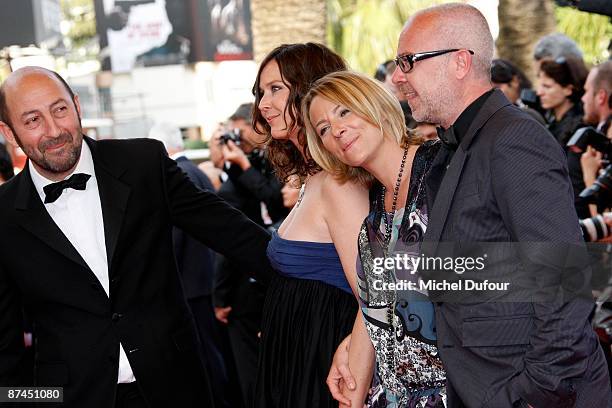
309	310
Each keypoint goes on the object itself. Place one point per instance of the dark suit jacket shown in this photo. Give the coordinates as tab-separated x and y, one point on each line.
246	190
195	261
143	194
508	182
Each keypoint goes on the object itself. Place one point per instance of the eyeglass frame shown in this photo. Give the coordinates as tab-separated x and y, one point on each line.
410	58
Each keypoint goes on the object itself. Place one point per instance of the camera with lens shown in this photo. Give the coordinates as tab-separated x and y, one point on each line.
530	99
600	192
233	135
588	136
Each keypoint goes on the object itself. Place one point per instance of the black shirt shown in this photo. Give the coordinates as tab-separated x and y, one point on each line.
464	121
452	137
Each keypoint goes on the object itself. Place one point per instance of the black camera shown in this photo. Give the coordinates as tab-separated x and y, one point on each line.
588	136
600	192
233	135
530	99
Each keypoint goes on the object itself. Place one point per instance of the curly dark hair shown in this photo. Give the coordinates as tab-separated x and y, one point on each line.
300	66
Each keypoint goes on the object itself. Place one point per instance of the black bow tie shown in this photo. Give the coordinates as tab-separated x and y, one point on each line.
448	137
53	191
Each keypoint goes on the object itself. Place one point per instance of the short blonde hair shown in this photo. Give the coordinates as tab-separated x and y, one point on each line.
368	99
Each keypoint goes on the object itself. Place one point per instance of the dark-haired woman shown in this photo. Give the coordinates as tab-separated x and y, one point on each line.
560	87
309	307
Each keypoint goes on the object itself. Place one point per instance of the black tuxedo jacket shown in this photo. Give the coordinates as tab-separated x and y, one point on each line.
508	182
78	328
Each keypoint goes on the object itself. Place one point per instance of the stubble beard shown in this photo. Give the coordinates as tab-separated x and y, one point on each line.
590	117
434	103
46	161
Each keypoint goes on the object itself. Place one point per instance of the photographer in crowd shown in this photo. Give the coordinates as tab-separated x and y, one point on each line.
251	187
596	143
597	98
247	167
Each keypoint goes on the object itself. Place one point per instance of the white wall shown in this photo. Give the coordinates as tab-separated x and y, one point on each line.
186	96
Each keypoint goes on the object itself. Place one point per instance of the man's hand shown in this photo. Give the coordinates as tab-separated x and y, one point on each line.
222	313
590	161
235	155
340	372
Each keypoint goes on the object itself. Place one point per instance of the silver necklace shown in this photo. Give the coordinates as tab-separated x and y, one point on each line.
300	195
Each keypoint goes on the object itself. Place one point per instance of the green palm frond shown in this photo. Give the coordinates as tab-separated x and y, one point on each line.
365	32
592	32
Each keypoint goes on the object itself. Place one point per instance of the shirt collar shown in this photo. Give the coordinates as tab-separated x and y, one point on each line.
464	121
451	137
178	155
85	165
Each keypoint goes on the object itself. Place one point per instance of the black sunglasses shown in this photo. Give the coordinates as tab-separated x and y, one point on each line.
406	62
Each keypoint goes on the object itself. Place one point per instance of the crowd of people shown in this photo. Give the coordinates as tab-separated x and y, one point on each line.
261	278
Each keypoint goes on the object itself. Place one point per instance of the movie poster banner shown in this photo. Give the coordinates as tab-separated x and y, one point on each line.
144	33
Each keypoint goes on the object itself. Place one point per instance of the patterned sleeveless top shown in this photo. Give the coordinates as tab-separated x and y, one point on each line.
400	320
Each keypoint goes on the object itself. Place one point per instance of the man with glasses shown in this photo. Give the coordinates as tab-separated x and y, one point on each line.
499	178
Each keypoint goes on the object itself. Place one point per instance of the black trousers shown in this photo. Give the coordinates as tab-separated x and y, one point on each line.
212	355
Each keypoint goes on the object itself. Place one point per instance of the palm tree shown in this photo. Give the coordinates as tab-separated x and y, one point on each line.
276	22
521	24
592	32
365	32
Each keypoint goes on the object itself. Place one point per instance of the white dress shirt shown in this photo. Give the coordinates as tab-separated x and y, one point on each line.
79	215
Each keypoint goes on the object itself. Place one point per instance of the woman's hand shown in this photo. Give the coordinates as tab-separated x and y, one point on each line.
340	376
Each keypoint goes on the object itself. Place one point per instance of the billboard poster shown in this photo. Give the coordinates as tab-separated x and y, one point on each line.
27	22
230	29
143	33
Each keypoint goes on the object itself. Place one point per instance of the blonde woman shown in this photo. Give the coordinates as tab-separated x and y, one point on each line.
356	132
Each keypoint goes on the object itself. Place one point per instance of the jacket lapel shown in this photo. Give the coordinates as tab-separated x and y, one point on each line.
443	199
114	196
449	179
35	218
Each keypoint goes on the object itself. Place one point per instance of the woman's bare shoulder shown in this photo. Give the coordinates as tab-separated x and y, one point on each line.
332	186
